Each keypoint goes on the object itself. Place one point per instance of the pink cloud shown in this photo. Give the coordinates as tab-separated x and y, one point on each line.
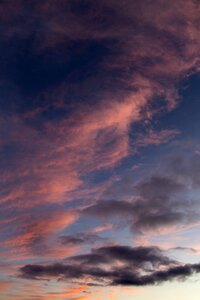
35	233
157	138
98	137
49	165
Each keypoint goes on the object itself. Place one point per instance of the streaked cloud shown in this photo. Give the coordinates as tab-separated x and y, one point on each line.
89	91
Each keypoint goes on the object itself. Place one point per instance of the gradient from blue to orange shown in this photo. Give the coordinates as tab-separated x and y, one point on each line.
99	149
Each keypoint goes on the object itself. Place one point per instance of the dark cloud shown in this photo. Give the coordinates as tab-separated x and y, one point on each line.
116	265
163	199
187	249
187	168
81	238
179	272
145	213
137	257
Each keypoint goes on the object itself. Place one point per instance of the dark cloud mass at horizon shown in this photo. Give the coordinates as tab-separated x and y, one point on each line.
139	266
99	147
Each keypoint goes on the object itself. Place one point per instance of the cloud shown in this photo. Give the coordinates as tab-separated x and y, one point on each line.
76	77
116	265
33	236
187	249
179	272
81	238
101	228
161	201
5	285
125	57
156	138
70	293
135	256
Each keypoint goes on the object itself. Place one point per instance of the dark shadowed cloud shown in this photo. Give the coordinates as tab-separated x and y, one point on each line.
163	200
81	238
116	265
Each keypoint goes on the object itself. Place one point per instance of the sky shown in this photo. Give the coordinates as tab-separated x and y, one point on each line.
99	149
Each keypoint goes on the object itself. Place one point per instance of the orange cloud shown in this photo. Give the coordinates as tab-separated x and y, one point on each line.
70	292
5	285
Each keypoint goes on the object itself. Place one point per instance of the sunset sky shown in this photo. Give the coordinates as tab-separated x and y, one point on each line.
99	149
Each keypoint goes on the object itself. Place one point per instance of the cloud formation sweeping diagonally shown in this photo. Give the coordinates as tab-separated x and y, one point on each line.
99	165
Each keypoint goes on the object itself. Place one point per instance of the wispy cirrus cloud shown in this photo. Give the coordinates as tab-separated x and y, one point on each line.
34	235
128	82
